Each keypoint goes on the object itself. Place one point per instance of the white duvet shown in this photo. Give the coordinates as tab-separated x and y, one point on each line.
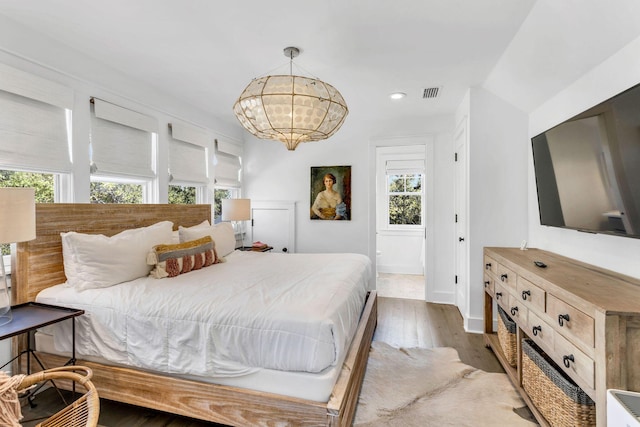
292	312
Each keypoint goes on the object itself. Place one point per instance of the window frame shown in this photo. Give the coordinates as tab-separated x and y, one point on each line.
388	195
149	193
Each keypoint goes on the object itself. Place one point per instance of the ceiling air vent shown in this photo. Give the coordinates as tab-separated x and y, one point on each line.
430	92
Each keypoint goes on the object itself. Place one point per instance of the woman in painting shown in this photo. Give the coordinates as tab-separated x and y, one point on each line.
328	203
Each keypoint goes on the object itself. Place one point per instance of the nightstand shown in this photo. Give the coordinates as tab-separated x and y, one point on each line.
30	316
27	318
252	249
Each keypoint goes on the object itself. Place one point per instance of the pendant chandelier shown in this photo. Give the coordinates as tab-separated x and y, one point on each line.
290	109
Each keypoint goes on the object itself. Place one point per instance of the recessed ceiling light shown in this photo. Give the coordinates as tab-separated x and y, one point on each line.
397	95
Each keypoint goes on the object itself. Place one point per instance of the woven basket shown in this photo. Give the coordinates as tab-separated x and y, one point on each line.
82	412
554	394
507	336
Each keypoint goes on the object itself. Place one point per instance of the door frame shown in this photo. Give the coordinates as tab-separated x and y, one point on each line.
428	141
461	253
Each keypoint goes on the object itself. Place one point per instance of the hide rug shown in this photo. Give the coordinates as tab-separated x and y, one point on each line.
432	387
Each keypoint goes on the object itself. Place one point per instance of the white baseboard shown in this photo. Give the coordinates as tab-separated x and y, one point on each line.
474	325
441	297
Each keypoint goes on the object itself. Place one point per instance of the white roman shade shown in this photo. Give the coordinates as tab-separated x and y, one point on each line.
188	153
35	121
404	167
228	164
122	141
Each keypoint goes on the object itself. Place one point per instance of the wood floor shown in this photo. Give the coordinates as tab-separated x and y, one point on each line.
401	323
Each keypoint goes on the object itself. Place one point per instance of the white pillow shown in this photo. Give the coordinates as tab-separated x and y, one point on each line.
175	236
222	234
98	261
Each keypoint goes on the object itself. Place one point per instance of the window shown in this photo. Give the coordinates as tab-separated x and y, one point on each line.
228	171
228	164
400	189
405	199
116	192
188	163
123	154
43	183
35	122
184	195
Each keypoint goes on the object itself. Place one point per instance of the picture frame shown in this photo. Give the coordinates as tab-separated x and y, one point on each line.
330	193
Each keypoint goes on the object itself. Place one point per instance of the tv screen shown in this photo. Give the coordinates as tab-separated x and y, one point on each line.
587	169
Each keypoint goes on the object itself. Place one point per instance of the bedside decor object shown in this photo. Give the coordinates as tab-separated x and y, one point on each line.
330	193
290	109
237	210
17	224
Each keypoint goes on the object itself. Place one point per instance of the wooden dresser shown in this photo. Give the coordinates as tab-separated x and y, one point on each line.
587	319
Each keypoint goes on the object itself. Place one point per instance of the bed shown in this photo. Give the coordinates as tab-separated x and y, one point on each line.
39	266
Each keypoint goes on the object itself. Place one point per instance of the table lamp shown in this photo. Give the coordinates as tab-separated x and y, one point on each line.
17	224
236	210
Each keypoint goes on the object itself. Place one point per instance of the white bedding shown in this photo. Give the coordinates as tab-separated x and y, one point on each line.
289	312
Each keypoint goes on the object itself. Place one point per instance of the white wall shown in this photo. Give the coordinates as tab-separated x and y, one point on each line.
271	172
441	238
400	252
618	73
497	187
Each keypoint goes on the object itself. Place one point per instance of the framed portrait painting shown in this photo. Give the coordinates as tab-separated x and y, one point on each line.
330	193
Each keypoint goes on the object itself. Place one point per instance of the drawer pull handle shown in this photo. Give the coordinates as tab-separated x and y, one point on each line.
504	277
498	295
562	318
514	311
567	360
536	329
487	266
525	294
486	284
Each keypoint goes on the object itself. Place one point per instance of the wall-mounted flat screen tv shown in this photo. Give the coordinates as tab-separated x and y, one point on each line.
587	169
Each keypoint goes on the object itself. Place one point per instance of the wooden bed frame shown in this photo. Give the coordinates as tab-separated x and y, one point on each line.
38	265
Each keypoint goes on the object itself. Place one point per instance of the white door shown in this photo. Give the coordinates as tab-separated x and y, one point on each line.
460	217
273	224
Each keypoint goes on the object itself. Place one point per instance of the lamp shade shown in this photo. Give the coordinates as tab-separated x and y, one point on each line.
17	214
236	209
291	109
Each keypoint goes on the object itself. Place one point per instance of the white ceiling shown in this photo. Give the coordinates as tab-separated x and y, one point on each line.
206	52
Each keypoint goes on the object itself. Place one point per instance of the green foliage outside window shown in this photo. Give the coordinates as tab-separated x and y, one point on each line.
219	194
405	199
42	183
182	195
111	192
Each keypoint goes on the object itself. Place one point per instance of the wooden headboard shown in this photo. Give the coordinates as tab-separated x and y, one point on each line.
38	264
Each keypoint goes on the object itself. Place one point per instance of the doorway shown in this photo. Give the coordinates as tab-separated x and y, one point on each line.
406	286
401	219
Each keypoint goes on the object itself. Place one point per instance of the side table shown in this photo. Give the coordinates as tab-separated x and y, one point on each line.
30	316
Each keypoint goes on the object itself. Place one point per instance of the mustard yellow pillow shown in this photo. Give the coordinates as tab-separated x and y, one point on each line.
172	260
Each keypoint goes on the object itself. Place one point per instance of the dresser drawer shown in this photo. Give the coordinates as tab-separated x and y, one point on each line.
571	321
539	330
573	361
507	276
489	284
502	296
490	264
517	311
532	295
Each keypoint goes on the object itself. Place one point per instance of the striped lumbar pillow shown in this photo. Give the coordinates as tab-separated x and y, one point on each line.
172	260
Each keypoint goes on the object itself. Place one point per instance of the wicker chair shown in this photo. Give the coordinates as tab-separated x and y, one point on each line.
84	411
